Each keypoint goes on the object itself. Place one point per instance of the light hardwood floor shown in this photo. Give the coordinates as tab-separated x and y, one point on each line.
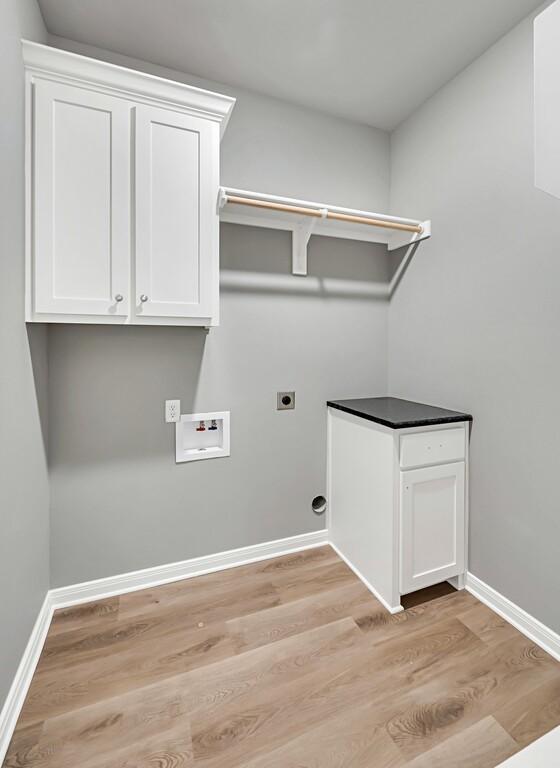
287	663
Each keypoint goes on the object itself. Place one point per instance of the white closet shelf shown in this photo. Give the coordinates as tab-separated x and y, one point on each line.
303	218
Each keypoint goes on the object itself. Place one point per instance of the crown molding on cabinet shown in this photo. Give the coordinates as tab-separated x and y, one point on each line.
44	60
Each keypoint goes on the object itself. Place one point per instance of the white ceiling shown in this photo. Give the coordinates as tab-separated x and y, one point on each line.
373	61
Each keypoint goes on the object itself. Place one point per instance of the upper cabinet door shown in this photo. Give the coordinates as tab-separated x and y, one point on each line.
432	525
81	202
176	215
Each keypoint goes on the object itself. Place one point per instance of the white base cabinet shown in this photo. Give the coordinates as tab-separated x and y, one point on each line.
122	173
397	503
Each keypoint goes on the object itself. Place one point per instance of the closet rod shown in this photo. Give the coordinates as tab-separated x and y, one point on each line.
320	214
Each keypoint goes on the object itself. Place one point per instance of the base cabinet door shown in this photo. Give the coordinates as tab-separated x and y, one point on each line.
177	224
81	185
432	525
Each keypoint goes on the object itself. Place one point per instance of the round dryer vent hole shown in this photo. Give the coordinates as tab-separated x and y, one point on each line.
319	505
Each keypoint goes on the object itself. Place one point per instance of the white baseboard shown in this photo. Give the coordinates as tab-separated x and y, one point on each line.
535	630
22	680
75	594
63	597
374	592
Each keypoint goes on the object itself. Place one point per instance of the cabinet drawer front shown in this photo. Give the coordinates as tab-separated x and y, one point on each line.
438	447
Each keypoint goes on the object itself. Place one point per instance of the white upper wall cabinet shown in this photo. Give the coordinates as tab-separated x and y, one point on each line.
122	188
547	99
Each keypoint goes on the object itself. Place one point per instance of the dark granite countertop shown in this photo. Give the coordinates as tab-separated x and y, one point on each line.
398	414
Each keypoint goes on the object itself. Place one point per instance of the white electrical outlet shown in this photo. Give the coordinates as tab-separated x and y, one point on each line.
172	411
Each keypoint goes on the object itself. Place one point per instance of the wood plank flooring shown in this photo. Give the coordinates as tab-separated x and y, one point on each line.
287	663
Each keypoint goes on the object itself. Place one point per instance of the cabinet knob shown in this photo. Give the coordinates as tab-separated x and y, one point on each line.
119	297
143	298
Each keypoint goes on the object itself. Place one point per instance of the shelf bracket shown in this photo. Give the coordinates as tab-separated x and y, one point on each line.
301	233
222	199
400	239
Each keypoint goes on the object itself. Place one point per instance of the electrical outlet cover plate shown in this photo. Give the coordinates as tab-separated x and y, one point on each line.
285	401
194	444
172	411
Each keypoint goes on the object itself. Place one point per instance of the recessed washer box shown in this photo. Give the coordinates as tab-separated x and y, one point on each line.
202	436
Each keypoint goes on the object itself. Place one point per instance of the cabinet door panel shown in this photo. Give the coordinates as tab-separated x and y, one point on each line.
176	215
81	249
432	525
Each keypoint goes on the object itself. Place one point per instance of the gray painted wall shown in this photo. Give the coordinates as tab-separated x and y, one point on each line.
475	323
24	543
276	147
119	502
